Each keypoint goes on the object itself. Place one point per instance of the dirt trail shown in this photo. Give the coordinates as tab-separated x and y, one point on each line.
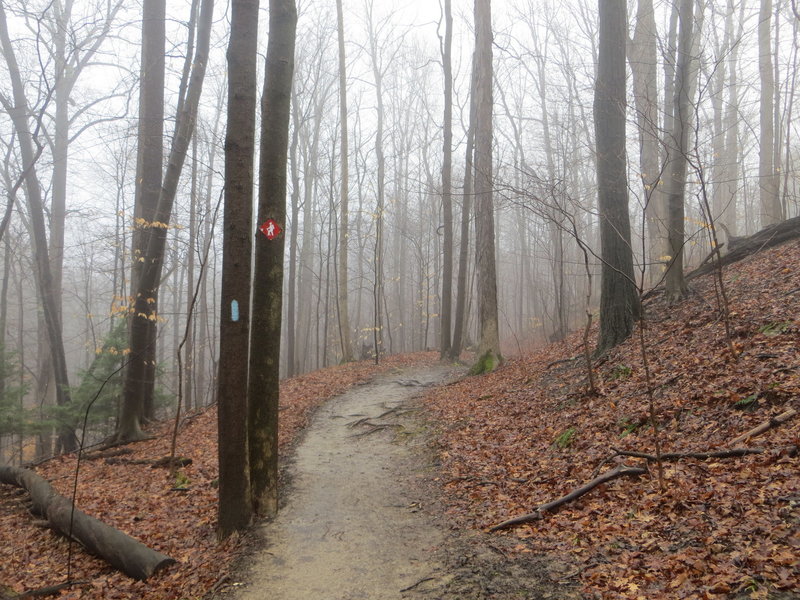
352	527
363	519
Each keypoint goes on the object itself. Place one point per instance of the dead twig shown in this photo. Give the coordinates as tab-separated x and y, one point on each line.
561	361
107	453
50	590
772	423
420	582
733	453
616	472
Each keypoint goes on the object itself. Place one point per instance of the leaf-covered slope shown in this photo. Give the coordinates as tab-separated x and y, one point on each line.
529	433
143	502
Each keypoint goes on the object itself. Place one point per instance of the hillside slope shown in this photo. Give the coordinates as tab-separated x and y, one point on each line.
530	433
174	515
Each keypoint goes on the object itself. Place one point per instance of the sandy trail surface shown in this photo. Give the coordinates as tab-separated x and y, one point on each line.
354	525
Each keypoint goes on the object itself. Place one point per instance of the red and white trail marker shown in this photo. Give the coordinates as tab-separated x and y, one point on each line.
270	228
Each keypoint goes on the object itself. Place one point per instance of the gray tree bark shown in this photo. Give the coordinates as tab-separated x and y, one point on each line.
234	508
619	303
768	180
489	342
265	332
677	160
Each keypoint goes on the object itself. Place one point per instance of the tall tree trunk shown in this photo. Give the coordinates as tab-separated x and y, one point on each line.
445	317
459	325
145	311
619	305
188	385
644	64
489	343
139	376
291	292
717	86
344	220
768	181
730	159
263	392
377	287
235	508
4	314
19	112
677	160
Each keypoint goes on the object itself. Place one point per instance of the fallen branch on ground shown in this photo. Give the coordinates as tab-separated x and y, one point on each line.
50	590
616	472
106	453
773	422
561	361
733	453
165	462
770	236
122	551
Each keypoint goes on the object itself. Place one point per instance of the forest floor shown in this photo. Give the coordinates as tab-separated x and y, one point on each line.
485	449
721	527
361	519
175	515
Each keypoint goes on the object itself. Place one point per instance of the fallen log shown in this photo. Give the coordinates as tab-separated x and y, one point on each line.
766	426
616	472
120	550
771	235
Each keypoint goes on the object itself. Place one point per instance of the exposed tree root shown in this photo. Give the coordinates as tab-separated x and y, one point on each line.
374	427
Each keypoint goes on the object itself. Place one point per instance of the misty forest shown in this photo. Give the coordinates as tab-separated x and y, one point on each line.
217	216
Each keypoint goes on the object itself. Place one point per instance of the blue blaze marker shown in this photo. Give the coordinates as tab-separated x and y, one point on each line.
234	310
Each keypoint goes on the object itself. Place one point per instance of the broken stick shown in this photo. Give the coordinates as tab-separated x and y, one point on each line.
773	422
616	472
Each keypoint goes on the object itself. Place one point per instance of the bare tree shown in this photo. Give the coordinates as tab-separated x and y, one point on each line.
235	508
149	168
642	58
265	335
489	342
344	200
19	110
619	304
768	180
146	290
459	324
445	316
676	161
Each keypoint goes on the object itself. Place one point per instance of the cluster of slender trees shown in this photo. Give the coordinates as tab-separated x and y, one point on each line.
487	179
